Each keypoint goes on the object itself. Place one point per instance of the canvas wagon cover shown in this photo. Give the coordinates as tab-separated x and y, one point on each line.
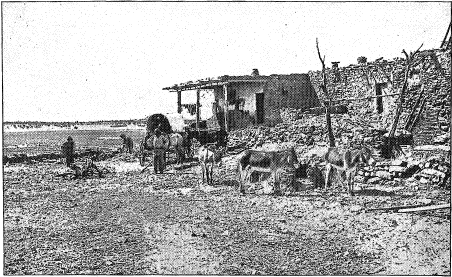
157	120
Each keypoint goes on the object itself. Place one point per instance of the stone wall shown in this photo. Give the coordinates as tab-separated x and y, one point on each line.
431	74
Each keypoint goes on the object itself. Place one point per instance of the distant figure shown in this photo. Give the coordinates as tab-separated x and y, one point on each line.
67	150
127	144
160	144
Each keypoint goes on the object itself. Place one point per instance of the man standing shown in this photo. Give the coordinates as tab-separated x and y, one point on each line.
127	144
160	144
67	150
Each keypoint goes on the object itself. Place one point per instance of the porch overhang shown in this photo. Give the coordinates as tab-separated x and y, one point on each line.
211	84
221	82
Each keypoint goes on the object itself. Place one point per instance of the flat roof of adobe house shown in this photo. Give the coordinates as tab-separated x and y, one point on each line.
210	83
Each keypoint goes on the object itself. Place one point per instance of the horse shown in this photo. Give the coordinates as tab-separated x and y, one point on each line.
175	142
346	160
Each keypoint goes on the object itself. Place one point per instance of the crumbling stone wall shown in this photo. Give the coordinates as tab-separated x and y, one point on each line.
431	72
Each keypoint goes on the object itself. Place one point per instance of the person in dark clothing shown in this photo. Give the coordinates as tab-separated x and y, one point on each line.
127	144
160	145
67	150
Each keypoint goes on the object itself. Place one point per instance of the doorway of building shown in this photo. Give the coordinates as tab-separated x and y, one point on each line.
259	108
379	99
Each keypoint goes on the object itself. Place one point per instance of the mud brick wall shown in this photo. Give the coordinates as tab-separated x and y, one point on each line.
279	91
431	72
293	91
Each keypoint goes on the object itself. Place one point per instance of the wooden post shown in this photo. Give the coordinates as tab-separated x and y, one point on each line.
179	101
197	109
226	105
408	63
327	103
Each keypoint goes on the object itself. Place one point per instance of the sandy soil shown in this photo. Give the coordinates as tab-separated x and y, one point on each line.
140	223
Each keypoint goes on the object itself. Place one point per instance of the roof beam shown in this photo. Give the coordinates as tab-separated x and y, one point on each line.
211	84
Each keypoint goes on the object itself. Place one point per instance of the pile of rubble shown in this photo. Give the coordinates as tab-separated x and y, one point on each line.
434	171
307	129
298	128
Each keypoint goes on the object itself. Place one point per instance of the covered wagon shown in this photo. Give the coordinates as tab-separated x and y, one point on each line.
175	130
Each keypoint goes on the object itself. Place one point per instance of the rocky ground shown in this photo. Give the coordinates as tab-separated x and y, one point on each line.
139	223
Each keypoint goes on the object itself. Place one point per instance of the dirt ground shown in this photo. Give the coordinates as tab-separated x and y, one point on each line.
140	223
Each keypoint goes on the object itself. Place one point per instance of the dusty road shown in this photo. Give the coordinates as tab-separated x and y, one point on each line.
133	223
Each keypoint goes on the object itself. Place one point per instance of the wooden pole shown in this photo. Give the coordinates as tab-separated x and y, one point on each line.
197	109
445	37
328	124
415	120
409	61
428	208
413	109
326	103
179	101
396	208
226	104
361	98
400	103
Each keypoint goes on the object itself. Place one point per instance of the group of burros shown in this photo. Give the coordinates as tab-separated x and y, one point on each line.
276	162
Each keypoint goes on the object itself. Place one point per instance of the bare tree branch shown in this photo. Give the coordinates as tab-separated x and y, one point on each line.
406	55
410	58
318	52
415	52
328	102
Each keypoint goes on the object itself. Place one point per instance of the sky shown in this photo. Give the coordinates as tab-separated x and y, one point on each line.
107	61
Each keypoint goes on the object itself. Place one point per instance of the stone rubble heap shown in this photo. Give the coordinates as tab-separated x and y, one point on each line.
349	131
300	128
434	170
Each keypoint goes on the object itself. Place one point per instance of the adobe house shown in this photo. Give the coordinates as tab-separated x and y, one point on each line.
249	99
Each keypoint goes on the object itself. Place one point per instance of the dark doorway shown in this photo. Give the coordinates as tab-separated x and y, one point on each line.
259	108
379	99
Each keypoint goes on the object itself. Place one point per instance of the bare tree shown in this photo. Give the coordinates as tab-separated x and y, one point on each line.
326	103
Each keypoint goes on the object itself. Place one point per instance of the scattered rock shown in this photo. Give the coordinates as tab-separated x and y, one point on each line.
383	175
355	208
396	168
400	163
374	180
